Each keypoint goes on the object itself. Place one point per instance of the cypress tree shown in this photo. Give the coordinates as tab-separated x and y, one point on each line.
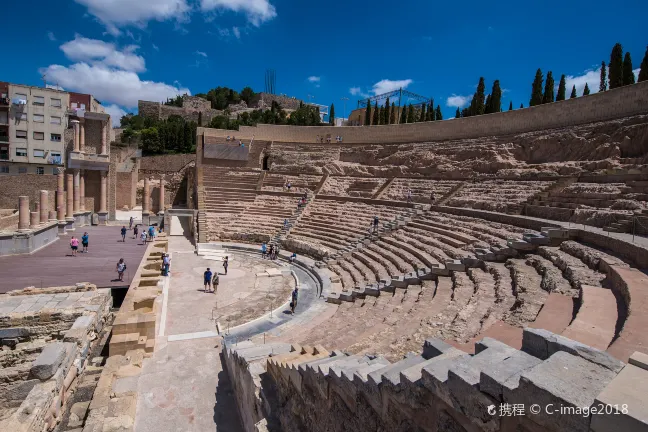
403	114
376	114
603	81
392	114
438	114
477	106
332	115
368	113
458	113
423	113
521	106
616	67
536	89
465	112
628	75
548	96
562	89
573	93
511	106
410	114
381	116
643	71
488	107
387	106
586	90
496	97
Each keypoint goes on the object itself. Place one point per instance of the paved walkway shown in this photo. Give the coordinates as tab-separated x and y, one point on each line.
54	266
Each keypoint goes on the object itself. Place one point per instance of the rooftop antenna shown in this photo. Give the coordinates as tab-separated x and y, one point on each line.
44	78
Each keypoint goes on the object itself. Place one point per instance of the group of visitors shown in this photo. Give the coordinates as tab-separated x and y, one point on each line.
74	244
320	139
269	252
211	279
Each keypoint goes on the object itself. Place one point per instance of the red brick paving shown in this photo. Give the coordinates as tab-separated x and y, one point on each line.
54	266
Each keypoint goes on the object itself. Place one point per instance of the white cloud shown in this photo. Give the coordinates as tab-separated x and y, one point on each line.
237	32
457	101
313	79
51	36
117	13
119	87
201	53
99	52
354	91
54	87
257	11
386	85
155	47
116	113
591	77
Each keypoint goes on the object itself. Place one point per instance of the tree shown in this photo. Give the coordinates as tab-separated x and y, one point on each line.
521	106
403	116
458	113
562	89
643	71
573	93
387	106
496	98
376	115
477	106
603	80
616	67
368	113
536	89
199	118
511	106
332	115
488	108
392	113
586	90
548	96
410	114
381	115
423	113
150	141
247	94
628	74
438	114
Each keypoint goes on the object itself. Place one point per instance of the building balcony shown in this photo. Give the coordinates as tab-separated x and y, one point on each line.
89	161
5	102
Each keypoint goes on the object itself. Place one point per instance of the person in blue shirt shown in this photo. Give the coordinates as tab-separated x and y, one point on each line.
293	303
293	257
151	233
264	250
84	242
123	233
208	279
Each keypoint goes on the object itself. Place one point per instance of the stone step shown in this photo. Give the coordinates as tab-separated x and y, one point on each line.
596	320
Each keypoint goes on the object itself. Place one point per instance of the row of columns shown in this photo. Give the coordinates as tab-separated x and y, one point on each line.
32	219
146	201
79	136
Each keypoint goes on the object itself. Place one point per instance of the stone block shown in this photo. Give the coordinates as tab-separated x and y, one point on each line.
455	265
434	347
564	383
398	281
49	360
20	391
639	360
411	278
14	332
505	374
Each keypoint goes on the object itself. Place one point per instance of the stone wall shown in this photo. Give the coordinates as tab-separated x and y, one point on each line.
190	112
126	184
166	163
617	103
264	100
9	223
13	186
178	173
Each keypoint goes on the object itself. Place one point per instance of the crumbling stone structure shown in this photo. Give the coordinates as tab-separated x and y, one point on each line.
192	108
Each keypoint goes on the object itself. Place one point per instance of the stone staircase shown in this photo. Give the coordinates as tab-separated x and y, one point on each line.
452	192
292	221
291	387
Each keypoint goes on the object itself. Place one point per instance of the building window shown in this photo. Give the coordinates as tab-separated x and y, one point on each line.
55	137
56	102
39	118
39	100
4	169
55	120
20	151
21	97
40	170
4	153
22	170
21	134
39	136
39	153
21	116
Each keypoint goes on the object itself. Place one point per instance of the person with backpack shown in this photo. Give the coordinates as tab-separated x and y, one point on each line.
121	268
215	282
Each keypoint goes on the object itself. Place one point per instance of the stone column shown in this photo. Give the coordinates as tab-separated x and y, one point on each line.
146	199
104	147
44	206
60	195
23	212
161	196
82	191
34	220
52	216
77	191
69	214
103	201
37	210
82	136
75	125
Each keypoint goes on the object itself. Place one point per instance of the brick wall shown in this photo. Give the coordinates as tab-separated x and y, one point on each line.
178	173
622	102
13	186
126	184
166	163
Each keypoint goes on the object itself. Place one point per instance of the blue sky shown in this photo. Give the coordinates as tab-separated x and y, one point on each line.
125	50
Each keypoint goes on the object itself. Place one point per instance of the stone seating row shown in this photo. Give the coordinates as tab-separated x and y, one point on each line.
422	189
352	186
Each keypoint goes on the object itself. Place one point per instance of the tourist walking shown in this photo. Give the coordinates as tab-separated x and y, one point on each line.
264	250
135	232
293	302
276	252
166	262
215	282
143	236
151	233
84	242
226	263
130	223
409	195
74	245
207	279
121	268
271	251
123	233
375	223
